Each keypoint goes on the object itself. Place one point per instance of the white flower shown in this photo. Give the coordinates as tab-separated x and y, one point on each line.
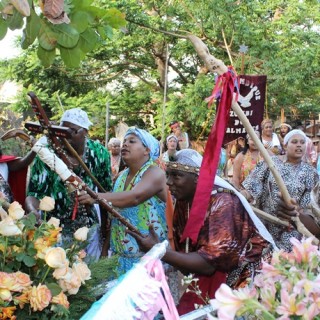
81	234
54	222
15	210
9	228
46	204
56	257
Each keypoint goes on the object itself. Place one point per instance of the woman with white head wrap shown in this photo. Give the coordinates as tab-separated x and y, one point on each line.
299	178
139	193
114	146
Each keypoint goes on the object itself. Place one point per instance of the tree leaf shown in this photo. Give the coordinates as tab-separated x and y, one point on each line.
105	32
47	38
115	18
79	20
68	36
46	56
3	28
31	30
71	57
15	21
88	40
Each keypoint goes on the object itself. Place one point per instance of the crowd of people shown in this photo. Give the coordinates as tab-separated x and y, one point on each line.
144	182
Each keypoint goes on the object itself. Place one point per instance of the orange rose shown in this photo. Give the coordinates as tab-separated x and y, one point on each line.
40	297
22	281
7	313
62	299
41	246
7	280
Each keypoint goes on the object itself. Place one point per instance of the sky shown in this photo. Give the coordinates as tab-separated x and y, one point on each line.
7	47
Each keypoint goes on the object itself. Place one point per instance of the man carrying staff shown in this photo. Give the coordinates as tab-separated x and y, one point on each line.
45	182
231	241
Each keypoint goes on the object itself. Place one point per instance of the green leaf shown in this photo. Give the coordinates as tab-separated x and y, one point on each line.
3	28
115	18
68	36
80	4
105	32
46	56
47	38
80	21
29	261
29	221
71	57
54	288
31	30
20	256
88	40
15	21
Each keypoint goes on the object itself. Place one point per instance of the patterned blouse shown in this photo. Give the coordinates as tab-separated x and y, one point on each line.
44	182
299	179
149	211
248	164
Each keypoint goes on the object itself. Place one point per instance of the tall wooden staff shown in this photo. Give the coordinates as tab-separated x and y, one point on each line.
216	65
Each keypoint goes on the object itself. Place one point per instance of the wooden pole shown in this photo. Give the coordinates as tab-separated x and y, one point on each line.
217	66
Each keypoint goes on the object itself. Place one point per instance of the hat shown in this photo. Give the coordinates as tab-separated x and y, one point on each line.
187	160
77	117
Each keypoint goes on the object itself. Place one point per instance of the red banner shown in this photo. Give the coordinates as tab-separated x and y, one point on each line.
251	100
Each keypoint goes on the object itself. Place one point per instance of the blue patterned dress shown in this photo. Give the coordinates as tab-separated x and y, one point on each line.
149	211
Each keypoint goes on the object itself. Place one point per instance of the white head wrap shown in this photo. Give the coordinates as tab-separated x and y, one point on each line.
77	117
113	141
286	125
292	133
189	157
172	136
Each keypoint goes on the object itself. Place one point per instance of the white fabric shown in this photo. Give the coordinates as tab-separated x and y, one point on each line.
275	140
257	222
4	171
189	157
292	133
49	158
77	117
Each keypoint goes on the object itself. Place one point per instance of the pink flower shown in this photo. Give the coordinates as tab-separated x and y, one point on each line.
290	305
304	250
62	299
268	294
228	302
22	281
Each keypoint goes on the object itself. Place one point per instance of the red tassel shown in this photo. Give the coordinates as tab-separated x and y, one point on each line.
75	208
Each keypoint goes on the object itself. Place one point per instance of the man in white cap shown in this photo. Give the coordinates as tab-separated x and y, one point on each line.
45	182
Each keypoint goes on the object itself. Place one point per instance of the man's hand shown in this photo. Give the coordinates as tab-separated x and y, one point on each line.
288	211
145	243
85	198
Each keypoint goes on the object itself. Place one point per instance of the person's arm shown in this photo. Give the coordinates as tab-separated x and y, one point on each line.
21	163
32	205
237	170
152	183
186	262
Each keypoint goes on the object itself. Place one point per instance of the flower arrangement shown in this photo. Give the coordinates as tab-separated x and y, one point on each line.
36	276
286	288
